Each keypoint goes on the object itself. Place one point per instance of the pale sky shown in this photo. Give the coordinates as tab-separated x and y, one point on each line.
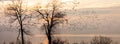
83	3
94	3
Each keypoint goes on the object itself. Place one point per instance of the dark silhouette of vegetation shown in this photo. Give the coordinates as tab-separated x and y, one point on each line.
16	10
58	41
101	40
98	40
52	17
26	42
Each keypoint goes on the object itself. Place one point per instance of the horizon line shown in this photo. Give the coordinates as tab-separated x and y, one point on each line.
80	35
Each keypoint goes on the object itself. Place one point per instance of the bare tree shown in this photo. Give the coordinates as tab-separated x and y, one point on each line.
52	17
16	10
101	40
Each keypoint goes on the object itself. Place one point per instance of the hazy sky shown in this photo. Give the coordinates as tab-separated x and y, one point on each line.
91	17
84	3
102	8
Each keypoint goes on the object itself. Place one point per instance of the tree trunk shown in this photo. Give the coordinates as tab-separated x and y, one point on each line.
22	36
49	37
22	33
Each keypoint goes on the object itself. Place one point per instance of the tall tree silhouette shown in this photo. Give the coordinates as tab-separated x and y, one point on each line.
16	10
52	17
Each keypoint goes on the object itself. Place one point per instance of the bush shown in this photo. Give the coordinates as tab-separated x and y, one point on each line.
101	40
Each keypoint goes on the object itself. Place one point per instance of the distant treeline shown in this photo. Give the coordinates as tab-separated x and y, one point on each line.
95	40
